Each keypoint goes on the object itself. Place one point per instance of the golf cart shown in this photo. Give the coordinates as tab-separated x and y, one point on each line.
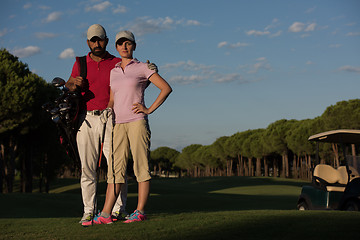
334	188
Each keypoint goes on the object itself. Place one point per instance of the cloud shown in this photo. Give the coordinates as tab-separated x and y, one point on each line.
231	77
120	9
353	34
26	52
3	32
305	35
192	23
189	72
146	25
296	27
54	16
27	6
277	34
310	10
98	7
310	27
262	63
67	53
43	35
185	22
185	80
350	69
234	45
351	24
335	45
274	23
43	7
188	66
222	44
302	27
257	33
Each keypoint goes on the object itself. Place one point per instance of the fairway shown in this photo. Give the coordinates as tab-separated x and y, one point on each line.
188	208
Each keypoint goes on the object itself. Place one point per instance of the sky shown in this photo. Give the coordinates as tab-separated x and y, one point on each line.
233	65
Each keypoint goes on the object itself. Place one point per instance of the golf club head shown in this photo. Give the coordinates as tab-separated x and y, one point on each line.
55	118
64	110
47	106
73	94
64	106
54	111
59	99
58	82
67	99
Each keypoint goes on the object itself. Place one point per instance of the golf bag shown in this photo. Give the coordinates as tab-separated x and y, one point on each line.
64	112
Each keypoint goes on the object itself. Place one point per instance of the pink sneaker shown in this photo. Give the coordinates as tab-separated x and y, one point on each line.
98	220
136	216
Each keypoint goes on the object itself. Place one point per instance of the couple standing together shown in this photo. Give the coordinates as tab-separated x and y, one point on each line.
113	93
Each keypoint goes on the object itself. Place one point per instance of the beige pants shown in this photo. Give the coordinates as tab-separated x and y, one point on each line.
134	135
88	139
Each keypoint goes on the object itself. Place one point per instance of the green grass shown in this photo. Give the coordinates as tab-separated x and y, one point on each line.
204	208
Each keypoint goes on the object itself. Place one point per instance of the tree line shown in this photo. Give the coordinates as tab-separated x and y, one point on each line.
29	140
280	150
30	146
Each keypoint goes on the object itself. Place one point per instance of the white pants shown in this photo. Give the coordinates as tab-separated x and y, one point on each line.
88	141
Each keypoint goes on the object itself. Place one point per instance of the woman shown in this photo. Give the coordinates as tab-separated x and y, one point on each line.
128	81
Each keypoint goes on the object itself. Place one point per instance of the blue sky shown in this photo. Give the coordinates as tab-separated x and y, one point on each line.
233	65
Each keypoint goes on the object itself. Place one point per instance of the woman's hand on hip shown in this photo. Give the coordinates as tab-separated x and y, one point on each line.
140	108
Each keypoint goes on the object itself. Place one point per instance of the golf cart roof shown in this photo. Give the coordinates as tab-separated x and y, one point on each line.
337	136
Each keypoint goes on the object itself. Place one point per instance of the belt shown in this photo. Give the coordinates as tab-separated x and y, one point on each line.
94	112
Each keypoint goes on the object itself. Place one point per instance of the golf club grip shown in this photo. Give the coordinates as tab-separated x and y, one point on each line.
102	143
101	149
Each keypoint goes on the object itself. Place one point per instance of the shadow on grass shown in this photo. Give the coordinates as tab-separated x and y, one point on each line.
273	225
168	196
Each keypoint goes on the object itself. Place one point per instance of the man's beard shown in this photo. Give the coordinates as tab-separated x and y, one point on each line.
98	51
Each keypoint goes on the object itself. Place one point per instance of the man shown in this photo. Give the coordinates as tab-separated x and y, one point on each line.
95	91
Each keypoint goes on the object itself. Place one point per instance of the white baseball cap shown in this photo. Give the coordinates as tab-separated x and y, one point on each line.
125	34
96	30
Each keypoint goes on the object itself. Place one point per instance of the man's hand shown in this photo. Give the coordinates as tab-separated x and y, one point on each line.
75	83
106	113
79	83
152	66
